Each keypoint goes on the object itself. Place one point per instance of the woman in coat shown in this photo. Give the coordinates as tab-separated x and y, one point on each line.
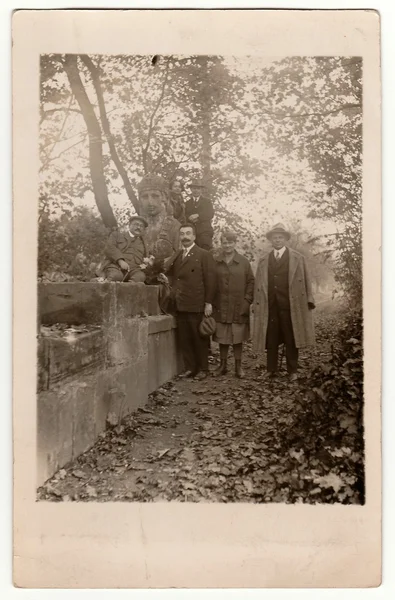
235	288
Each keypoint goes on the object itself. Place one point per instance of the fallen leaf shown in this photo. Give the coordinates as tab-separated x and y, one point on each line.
248	485
91	491
163	452
332	480
79	474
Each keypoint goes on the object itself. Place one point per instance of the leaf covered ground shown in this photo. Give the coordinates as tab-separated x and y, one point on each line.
230	440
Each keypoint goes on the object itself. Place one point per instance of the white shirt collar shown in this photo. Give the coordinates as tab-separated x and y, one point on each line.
280	252
187	251
131	235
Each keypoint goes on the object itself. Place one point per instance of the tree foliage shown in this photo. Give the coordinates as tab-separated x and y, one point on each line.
285	132
314	106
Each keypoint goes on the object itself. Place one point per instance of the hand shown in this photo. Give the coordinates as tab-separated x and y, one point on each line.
149	260
311	305
193	218
162	278
245	310
123	265
208	310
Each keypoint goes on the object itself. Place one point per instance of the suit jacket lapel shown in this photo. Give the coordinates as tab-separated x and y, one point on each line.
170	262
188	256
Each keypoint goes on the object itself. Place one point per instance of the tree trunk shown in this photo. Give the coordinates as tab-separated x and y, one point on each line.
205	156
95	141
94	72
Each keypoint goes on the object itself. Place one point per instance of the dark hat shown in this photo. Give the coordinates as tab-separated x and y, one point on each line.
207	326
197	183
152	182
138	218
278	228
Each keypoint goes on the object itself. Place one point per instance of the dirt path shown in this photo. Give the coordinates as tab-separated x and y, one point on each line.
215	440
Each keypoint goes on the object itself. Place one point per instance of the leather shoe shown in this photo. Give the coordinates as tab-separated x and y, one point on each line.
269	375
221	370
187	374
201	375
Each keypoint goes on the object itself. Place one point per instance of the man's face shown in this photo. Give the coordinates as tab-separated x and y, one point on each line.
152	202
278	240
187	236
196	190
136	227
176	187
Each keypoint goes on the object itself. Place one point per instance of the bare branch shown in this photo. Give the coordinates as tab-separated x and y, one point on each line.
151	122
48	155
50	111
64	151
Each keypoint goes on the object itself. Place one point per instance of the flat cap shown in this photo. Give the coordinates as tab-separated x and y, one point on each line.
152	182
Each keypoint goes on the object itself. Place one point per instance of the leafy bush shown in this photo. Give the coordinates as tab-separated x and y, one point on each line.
71	247
328	411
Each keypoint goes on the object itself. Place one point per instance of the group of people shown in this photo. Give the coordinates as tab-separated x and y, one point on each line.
170	242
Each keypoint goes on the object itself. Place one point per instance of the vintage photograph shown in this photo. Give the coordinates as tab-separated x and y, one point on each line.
200	327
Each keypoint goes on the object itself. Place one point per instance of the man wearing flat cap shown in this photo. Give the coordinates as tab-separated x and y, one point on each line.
283	302
126	252
199	211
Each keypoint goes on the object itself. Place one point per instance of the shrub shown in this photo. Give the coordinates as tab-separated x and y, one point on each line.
71	247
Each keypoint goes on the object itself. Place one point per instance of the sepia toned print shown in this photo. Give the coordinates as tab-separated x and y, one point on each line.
197	308
229	145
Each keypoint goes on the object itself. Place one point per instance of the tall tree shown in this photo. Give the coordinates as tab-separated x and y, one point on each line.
94	72
99	186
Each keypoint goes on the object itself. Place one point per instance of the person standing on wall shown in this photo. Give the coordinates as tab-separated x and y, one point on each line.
283	304
199	211
235	289
193	275
177	201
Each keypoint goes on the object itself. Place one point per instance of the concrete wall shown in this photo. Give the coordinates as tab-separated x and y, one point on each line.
112	369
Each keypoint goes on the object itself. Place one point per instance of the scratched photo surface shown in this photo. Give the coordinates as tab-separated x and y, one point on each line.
200	323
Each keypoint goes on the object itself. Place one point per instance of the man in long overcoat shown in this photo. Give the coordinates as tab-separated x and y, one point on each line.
283	302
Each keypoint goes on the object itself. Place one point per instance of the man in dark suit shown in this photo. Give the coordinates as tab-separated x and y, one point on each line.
199	211
193	275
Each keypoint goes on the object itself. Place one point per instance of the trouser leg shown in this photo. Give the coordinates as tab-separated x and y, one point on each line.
200	344
205	241
114	273
273	339
291	351
137	277
185	341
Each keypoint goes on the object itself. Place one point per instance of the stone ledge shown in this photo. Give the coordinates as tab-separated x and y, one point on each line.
78	303
159	323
